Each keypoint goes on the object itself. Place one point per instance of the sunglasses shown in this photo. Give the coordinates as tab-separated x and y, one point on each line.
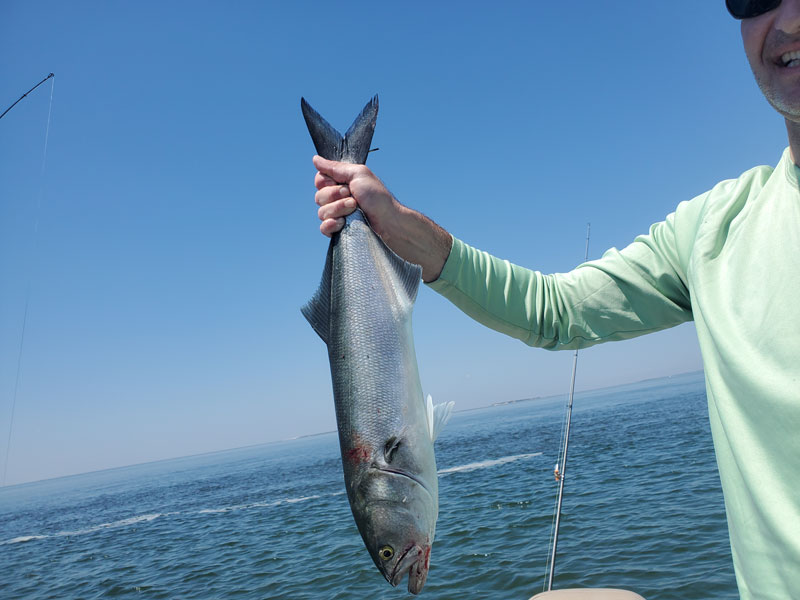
746	9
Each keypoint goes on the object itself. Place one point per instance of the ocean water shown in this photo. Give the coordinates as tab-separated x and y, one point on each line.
642	510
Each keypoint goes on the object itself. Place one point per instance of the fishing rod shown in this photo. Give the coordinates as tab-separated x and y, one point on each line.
28	290
26	93
561	469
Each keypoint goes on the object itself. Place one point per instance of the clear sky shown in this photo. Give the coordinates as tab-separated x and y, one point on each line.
177	235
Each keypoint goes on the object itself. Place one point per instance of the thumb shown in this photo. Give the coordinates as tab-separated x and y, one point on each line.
338	171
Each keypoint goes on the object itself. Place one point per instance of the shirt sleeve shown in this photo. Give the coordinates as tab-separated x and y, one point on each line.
626	293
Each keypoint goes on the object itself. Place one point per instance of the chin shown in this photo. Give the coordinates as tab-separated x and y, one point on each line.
787	105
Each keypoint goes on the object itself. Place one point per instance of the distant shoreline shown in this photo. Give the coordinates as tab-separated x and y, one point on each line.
579	392
321	433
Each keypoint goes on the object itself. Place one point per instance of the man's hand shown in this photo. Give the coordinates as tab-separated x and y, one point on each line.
341	187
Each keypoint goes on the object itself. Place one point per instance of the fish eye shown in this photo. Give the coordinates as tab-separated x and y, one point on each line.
386	553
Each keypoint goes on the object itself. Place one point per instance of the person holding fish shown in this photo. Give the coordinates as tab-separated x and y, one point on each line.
729	259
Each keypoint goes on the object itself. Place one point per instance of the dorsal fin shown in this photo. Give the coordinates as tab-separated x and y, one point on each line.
408	275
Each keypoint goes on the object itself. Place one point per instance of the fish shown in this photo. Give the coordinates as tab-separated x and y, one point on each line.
362	310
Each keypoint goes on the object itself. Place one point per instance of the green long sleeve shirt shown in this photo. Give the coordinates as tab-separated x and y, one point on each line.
730	260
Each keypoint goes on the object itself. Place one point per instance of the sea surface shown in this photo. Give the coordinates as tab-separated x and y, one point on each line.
643	510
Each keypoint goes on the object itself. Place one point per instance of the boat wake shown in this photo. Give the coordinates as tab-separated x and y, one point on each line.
225	509
485	464
152	517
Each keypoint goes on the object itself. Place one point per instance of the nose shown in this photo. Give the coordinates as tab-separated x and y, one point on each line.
787	18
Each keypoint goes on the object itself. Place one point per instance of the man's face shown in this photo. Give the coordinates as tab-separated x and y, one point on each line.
772	45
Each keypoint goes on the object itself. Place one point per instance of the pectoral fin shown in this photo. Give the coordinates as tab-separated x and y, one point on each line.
438	416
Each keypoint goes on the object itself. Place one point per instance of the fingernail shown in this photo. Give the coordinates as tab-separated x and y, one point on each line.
344	191
350	202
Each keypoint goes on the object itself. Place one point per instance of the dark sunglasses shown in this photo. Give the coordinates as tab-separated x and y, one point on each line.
746	9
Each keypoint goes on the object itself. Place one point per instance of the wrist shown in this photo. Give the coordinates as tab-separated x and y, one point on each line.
386	221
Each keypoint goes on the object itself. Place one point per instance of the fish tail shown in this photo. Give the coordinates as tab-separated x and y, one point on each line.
329	143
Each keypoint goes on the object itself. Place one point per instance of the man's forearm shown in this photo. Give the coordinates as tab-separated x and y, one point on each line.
416	238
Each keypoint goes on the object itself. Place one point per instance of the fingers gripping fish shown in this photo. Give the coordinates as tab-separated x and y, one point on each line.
362	311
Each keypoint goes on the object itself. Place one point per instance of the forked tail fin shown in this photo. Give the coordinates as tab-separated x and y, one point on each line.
330	144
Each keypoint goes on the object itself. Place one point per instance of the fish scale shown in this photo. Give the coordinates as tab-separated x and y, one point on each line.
373	364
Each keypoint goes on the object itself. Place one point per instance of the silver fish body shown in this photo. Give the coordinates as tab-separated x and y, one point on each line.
362	310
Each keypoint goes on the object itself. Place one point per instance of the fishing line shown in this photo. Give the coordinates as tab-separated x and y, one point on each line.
34	245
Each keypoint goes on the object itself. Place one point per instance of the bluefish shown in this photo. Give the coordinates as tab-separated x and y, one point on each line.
362	311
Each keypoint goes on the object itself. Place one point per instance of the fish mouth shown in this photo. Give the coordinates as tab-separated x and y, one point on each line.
414	561
413	478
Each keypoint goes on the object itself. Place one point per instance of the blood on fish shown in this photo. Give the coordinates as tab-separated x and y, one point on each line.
358	454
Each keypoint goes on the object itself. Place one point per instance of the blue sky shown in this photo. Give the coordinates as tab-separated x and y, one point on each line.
177	235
